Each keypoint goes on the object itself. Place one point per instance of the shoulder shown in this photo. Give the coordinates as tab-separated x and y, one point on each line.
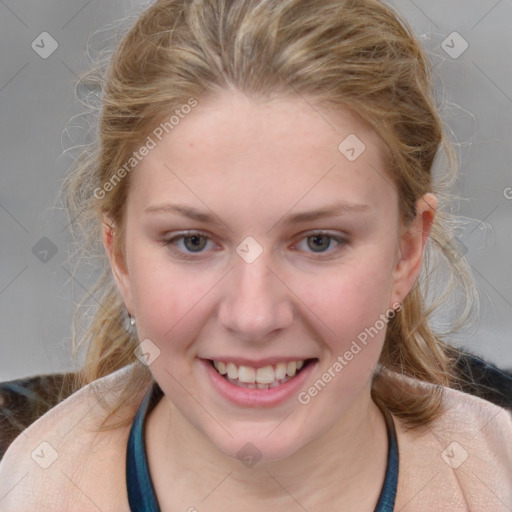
483	429
472	418
461	460
58	462
490	419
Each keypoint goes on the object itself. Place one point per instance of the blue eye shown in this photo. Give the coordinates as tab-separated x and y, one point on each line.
194	242
323	241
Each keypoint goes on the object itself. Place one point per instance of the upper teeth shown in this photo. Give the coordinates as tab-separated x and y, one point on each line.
265	375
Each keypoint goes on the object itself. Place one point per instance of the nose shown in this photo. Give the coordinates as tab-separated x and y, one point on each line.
255	303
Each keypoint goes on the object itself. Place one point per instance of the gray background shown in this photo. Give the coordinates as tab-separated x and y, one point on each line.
37	101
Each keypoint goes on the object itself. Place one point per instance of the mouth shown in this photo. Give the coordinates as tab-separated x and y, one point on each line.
265	377
262	384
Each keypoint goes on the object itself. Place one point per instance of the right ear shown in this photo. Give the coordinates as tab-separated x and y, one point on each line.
117	263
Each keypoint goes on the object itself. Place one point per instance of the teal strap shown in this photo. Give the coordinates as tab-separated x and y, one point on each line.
141	493
387	496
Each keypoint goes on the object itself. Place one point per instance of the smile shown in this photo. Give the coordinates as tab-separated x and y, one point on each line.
263	384
267	377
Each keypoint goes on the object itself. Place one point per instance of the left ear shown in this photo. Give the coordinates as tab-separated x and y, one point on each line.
412	243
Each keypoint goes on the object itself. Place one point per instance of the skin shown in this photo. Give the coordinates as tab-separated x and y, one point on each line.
250	163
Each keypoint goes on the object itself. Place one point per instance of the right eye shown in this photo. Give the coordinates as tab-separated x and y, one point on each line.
193	242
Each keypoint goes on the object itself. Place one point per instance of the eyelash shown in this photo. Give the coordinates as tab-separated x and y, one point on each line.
168	242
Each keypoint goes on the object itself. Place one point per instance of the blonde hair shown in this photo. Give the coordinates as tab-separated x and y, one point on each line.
357	54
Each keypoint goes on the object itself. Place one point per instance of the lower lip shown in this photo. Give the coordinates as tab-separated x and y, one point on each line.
246	397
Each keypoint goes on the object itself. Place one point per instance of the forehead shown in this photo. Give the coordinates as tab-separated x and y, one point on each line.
276	153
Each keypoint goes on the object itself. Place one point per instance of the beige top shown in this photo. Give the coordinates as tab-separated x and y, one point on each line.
460	462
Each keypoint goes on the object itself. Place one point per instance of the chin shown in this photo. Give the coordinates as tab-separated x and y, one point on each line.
256	444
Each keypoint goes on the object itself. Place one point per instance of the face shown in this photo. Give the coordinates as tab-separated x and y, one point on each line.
281	302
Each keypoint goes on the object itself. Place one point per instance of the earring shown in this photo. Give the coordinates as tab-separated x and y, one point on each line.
132	320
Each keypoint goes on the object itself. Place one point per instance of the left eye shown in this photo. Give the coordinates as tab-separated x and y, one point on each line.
322	241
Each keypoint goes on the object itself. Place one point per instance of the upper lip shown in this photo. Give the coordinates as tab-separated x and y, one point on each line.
257	363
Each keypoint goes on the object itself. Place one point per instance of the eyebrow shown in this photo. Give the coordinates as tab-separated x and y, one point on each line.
334	210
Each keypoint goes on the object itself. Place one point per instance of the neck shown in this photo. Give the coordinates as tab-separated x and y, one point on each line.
336	465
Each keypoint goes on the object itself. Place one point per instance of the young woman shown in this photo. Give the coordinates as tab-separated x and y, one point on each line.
263	188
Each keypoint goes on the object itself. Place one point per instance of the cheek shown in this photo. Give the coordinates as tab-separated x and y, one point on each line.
170	302
353	307
353	298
